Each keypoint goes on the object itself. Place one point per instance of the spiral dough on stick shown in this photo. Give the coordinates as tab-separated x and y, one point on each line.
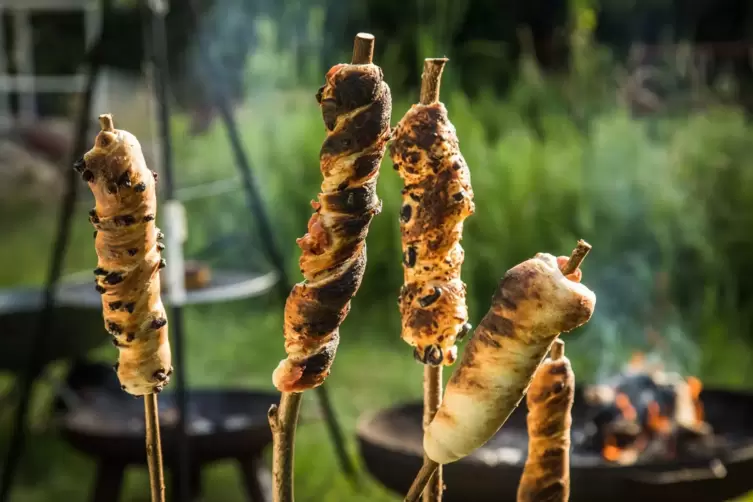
356	107
129	259
546	476
436	199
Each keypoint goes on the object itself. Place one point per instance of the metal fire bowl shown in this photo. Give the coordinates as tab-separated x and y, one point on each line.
222	423
391	445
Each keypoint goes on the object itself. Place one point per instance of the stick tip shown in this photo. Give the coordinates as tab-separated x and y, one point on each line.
431	79
106	123
363	48
558	350
576	257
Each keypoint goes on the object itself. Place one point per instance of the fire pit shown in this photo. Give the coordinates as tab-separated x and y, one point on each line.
76	330
223	424
390	443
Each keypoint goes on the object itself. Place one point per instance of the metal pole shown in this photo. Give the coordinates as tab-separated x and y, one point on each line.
219	96
68	203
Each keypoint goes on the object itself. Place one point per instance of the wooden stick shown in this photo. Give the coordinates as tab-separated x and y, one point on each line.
431	81
422	479
430	467
576	257
432	400
283	419
363	49
154	448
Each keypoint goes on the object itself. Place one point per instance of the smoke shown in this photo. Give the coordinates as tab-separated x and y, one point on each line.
644	217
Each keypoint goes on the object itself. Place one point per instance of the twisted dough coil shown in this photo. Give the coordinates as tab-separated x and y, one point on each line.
356	106
546	476
128	257
437	198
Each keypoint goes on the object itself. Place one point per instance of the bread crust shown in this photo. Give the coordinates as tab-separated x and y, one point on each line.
128	257
437	198
533	304
546	475
356	107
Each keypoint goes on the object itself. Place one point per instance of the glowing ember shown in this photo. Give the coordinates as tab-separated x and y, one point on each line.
645	411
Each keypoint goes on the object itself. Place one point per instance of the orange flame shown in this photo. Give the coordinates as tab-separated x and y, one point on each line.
696	386
656	421
622	401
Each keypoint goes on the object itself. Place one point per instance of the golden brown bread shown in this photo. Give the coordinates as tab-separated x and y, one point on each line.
356	106
534	302
437	198
129	260
546	475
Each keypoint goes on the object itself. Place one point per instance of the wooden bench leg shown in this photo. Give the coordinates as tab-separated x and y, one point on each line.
257	480
108	482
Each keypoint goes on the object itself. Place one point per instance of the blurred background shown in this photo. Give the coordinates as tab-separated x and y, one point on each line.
622	122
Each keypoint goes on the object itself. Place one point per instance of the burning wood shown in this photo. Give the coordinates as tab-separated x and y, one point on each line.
646	412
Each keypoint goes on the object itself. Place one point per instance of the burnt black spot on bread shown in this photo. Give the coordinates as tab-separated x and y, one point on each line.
130	337
405	213
321	320
115	305
429	299
316	366
113	327
79	165
124	180
140	187
124	220
130	307
355	87
133	252
496	325
409	257
100	289
95	234
100	271
352	200
162	263
514	287
366	165
425	126
158	323
339	291
362	131
148	218
329	111
114	278
420	319
87	176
